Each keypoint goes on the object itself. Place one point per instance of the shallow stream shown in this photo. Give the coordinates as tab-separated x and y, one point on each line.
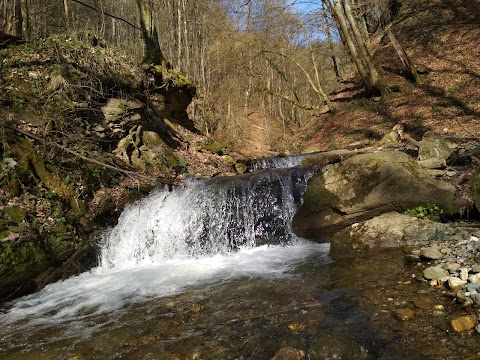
212	270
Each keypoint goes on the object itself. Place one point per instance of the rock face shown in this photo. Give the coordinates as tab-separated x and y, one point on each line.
366	186
387	230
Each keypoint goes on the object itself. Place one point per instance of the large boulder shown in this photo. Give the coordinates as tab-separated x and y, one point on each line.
387	230
366	186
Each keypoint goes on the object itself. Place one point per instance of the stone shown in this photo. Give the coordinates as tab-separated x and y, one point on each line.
473	288
435	273
434	147
453	267
476	298
476	356
289	353
365	186
455	282
431	253
387	230
475	279
475	268
404	314
423	303
463	323
464	274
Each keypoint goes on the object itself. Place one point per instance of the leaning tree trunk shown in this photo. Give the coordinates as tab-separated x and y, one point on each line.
376	81
337	12
402	54
152	54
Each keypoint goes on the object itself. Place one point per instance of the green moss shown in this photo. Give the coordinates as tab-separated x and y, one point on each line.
172	75
14	214
241	168
216	148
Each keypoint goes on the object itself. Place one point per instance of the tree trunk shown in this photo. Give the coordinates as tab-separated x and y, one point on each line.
377	85
402	54
18	18
152	54
337	12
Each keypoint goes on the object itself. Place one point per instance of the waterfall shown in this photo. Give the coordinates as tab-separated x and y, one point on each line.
202	232
206	217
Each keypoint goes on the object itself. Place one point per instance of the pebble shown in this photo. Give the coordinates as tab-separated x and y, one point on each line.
463	323
435	273
475	279
404	314
476	268
423	303
453	267
476	298
473	288
431	253
464	274
455	282
439	307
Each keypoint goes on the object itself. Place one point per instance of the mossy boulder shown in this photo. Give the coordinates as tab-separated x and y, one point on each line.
366	186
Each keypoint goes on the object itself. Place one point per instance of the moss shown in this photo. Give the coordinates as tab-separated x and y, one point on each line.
217	148
229	160
172	75
241	168
14	214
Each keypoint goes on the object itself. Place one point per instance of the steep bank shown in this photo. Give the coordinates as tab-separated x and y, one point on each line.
85	130
441	38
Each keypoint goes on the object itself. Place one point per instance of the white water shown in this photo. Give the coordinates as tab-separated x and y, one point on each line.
199	234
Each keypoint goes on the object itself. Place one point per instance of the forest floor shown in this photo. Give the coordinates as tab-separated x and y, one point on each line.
441	37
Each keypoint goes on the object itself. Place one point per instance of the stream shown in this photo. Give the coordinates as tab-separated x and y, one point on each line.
212	270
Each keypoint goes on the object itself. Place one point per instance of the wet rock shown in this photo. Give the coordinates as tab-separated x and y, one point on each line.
435	273
423	303
387	230
289	353
463	323
431	253
404	314
366	186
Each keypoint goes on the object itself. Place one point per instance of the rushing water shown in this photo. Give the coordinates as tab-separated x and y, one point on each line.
212	270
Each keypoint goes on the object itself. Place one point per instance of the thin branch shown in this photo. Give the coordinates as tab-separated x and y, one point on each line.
105	13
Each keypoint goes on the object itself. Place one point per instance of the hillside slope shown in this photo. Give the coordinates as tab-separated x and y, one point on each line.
441	36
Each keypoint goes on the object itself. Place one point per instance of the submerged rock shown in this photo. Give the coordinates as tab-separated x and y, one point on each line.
366	186
463	323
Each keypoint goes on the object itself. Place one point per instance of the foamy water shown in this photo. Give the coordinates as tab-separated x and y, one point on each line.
104	290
